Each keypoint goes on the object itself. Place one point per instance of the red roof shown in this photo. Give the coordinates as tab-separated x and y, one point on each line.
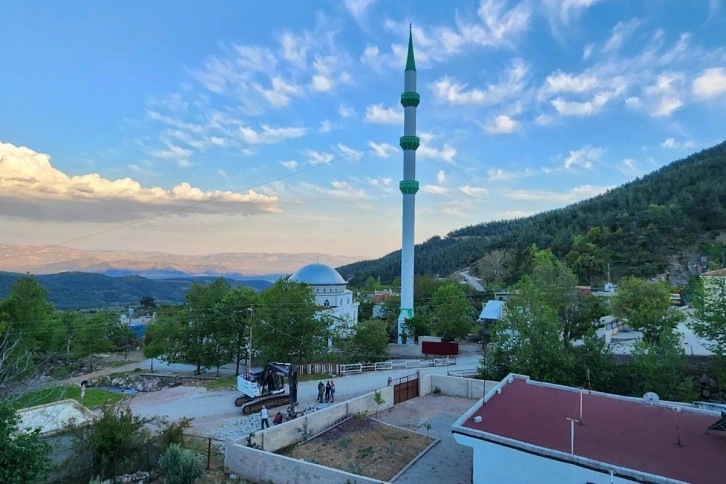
620	431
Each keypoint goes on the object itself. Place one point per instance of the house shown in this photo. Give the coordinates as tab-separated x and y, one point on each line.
525	431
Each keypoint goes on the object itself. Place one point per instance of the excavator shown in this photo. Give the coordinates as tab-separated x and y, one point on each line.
267	387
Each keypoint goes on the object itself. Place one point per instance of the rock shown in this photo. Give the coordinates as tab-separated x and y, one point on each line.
705	393
234	477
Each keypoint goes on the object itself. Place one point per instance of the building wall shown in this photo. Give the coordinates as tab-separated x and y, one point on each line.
496	463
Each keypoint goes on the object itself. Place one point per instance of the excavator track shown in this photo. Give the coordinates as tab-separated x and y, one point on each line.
271	401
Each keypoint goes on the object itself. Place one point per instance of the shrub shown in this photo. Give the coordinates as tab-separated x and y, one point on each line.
174	433
180	466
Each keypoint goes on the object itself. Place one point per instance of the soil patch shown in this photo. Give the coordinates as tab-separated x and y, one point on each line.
363	446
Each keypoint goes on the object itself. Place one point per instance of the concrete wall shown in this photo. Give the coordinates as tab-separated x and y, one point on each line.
291	432
260	466
454	386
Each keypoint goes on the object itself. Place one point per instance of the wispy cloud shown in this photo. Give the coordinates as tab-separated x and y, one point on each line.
318	157
711	83
568	196
672	144
382	150
290	164
585	157
376	113
501	124
445	153
268	134
476	192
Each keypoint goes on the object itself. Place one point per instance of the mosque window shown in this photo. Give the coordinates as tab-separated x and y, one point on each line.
326	303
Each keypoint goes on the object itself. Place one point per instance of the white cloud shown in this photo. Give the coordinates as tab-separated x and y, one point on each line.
358	8
499	25
501	124
345	111
435	189
349	152
173	153
628	166
325	126
665	94
711	83
570	196
337	190
318	157
294	48
376	113
512	83
584	157
578	108
476	192
672	144
382	150
291	164
622	31
426	150
559	82
280	92
31	188
563	11
380	182
441	177
446	90
370	56
268	135
497	174
587	51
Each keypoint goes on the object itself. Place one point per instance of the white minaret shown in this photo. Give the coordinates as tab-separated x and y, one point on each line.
409	186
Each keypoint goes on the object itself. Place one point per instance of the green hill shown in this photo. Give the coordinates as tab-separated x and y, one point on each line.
85	290
677	213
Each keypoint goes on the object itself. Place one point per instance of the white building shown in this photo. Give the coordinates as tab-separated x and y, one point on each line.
525	431
331	293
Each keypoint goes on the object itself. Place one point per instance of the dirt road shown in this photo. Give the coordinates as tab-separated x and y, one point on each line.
214	412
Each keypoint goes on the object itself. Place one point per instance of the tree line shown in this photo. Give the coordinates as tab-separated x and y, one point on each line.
636	229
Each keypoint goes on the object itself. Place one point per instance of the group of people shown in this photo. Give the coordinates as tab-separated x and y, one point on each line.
326	391
326	394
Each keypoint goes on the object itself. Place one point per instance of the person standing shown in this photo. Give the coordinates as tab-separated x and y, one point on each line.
264	416
332	391
321	390
327	392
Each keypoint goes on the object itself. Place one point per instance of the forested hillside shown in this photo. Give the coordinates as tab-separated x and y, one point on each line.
85	290
676	212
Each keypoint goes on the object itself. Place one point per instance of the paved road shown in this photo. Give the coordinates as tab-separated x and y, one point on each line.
473	281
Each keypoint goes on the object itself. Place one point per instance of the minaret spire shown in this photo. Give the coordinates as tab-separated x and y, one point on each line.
410	100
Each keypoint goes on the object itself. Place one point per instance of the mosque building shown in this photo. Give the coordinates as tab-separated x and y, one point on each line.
332	295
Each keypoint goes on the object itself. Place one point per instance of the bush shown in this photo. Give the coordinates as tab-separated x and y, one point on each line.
174	433
180	466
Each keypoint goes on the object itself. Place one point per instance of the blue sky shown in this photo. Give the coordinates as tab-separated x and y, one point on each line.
227	126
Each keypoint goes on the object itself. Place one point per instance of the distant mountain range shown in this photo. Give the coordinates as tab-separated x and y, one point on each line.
84	290
155	265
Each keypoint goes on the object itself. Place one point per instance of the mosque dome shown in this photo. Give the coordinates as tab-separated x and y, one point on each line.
317	275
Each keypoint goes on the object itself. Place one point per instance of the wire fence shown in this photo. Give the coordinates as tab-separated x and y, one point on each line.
210	449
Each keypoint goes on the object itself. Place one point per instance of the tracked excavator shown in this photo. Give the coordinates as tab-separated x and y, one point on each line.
267	387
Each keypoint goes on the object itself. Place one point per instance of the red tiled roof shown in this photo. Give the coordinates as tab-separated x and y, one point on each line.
622	432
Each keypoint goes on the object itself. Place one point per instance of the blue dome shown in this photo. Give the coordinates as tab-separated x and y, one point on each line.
317	275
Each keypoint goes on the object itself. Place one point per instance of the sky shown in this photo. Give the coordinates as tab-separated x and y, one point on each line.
224	126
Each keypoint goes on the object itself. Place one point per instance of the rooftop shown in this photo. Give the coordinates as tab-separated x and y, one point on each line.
617	433
53	417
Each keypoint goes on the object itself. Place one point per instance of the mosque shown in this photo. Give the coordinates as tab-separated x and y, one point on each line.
332	295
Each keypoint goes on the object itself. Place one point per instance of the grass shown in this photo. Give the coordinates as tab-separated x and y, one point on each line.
95	397
222	383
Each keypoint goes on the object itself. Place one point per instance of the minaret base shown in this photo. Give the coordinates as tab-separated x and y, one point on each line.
402	317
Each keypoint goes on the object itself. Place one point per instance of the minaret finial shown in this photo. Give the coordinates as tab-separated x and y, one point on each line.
410	63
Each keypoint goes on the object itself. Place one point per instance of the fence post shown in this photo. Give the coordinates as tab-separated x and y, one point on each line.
209	453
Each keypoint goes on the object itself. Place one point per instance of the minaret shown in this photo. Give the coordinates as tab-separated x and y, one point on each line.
409	186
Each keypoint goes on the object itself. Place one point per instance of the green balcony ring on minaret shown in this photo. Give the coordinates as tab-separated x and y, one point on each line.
410	99
408	187
410	142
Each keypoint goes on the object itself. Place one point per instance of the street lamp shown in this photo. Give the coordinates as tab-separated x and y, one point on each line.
249	349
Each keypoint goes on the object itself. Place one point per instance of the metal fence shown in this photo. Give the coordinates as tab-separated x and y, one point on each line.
210	449
395	365
318	369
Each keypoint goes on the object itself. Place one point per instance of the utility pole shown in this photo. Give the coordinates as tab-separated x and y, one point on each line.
249	349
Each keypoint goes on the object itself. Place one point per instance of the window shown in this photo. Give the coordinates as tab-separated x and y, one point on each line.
326	303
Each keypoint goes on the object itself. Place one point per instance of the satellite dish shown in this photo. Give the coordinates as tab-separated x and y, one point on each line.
651	398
